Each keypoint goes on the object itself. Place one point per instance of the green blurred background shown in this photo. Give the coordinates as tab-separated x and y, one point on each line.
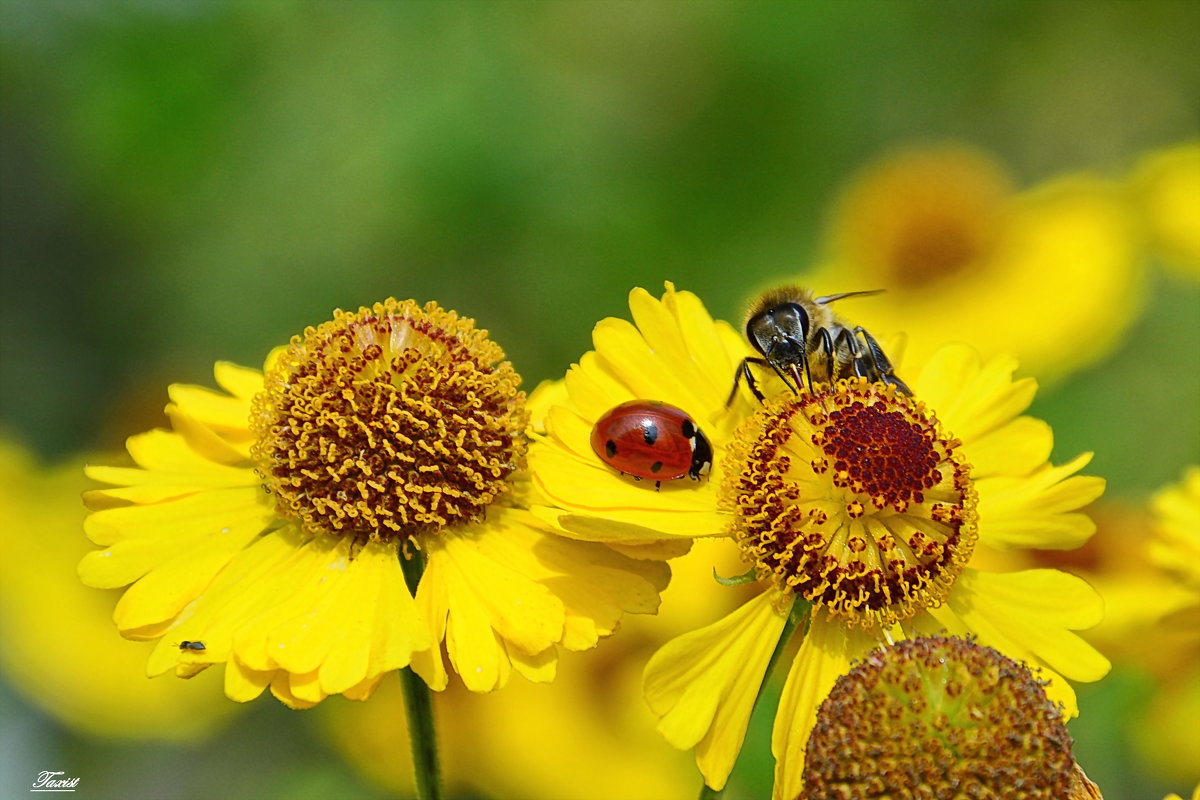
190	181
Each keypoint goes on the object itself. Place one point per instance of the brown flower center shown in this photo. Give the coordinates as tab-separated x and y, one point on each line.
390	422
853	499
938	717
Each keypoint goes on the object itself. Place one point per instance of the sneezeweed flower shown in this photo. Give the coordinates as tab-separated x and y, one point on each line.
1166	190
1052	273
273	522
1142	561
940	717
1165	734
1176	548
56	648
862	503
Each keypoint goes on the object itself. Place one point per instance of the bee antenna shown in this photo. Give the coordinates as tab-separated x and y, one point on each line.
829	298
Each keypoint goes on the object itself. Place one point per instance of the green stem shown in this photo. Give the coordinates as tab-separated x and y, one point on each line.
418	704
797	614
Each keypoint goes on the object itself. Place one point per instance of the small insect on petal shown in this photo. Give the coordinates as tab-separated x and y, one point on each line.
651	440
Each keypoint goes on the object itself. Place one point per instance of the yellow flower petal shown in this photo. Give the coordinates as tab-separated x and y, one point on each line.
363	690
205	441
490	605
255	592
1029	616
295	691
224	415
538	668
593	388
544	396
683	335
243	684
595	583
197	534
1033	510
433	602
241	382
614	528
703	684
972	397
1015	448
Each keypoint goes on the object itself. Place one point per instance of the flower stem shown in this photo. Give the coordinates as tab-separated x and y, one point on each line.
418	704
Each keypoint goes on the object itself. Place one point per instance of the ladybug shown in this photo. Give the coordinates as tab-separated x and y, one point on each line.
192	646
652	440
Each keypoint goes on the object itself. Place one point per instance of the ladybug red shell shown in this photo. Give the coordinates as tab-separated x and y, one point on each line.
652	440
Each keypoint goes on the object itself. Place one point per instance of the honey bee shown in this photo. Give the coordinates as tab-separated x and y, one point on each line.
801	338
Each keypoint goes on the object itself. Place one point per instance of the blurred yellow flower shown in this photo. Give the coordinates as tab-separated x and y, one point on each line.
1176	549
881	549
1166	187
55	644
392	429
1166	734
1051	274
1142	561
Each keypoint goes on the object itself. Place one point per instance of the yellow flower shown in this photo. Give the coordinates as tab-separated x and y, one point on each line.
1165	733
1166	189
940	717
270	524
1051	274
1142	560
1176	549
55	647
880	547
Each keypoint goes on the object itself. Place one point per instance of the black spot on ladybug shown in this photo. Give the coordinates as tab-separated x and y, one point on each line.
650	433
610	447
656	467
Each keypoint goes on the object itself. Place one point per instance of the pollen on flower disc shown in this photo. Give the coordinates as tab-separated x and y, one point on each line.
853	499
938	717
389	422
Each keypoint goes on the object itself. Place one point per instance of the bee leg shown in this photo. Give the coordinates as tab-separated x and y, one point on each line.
743	371
829	349
880	364
861	367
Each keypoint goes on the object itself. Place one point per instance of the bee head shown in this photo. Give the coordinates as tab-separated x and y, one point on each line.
778	331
